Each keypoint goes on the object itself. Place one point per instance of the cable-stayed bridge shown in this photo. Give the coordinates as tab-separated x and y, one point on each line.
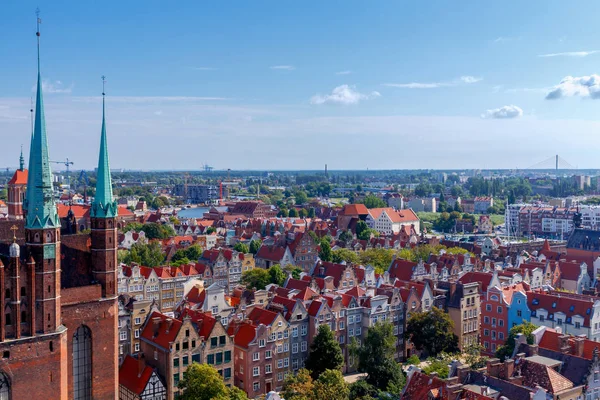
555	162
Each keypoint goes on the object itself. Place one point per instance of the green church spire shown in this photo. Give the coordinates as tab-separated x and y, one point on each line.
21	161
41	207
104	205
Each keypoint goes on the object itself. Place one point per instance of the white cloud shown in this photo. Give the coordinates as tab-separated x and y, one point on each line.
54	87
470	79
283	67
343	72
465	79
583	86
505	112
343	94
570	54
504	39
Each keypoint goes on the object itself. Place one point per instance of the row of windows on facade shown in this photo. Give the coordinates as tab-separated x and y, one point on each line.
211	359
500	336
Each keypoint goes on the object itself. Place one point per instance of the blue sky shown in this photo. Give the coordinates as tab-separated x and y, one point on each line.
294	85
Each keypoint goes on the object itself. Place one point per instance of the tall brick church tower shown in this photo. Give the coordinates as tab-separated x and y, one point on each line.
58	300
103	220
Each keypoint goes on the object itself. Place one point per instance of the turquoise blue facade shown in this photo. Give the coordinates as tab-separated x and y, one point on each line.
518	311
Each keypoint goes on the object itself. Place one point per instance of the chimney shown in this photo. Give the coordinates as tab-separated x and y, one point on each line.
533	350
141	364
509	368
493	367
563	344
579	342
462	372
169	324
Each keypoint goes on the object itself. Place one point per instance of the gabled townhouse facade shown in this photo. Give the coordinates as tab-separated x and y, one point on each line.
269	255
138	381
170	345
305	251
296	314
388	221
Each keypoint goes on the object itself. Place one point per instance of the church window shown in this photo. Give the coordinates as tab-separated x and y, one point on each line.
4	387
8	319
23	316
7	294
82	363
23	291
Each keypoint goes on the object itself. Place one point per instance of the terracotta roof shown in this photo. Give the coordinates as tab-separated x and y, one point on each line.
130	376
79	210
484	277
298	284
402	269
354	209
19	178
541	375
204	321
306	294
125	212
315	307
271	253
244	335
420	385
196	296
163	335
261	316
570	270
288	304
570	305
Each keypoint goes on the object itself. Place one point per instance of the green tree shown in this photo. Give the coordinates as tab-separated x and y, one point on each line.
283	212
431	331
346	255
241	247
346	236
154	230
203	382
376	358
508	348
438	366
293	213
361	390
380	259
331	386
301	197
302	213
363	232
325	353
210	230
256	278
149	255
276	275
325	252
298	386
311	212
473	357
133	226
254	246
194	252
372	201
413	360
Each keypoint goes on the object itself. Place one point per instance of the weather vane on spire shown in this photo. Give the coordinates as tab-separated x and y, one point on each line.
37	33
103	83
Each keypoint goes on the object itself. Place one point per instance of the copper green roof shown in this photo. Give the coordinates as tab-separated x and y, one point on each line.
41	207
104	205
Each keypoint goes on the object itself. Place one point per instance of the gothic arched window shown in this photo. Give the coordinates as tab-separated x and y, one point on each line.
4	387
82	363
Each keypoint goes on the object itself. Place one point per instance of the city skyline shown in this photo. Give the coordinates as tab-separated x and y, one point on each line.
464	82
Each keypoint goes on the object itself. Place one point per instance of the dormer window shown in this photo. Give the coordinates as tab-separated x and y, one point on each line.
554	305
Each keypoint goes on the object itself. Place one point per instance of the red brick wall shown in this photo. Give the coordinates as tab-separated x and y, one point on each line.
35	369
100	315
80	294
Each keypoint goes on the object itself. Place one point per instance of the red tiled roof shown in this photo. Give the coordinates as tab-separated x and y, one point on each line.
356	292
289	305
261	316
484	277
124	211
19	178
196	295
245	335
550	340
204	321
314	307
420	385
164	335
402	269
130	377
570	305
570	270
271	253
354	209
297	284
79	210
306	294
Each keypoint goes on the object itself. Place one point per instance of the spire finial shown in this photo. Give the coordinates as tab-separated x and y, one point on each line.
21	160
37	33
14	228
103	84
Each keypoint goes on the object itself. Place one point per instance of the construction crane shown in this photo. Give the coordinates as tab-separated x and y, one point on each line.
67	163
